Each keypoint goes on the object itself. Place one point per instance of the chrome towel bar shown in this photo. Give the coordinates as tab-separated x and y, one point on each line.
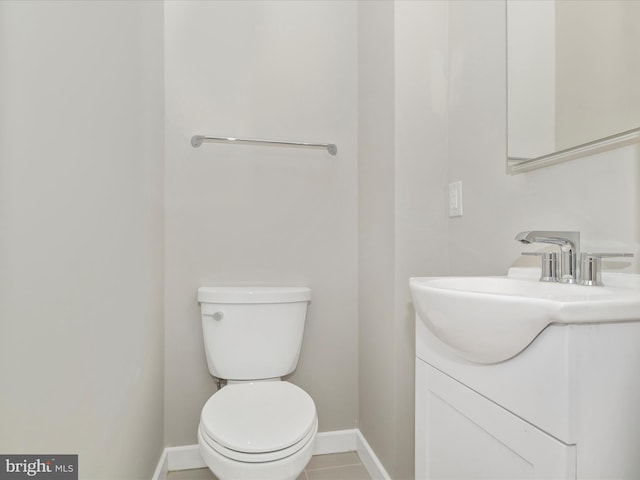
197	140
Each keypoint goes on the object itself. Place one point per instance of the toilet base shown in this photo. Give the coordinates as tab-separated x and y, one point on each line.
288	468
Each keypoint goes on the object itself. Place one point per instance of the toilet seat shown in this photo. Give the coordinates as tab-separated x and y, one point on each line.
257	457
258	422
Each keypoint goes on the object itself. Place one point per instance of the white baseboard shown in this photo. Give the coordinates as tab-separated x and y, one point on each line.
163	467
339	441
369	459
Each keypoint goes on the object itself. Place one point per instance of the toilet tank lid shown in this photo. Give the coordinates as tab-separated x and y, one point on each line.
253	294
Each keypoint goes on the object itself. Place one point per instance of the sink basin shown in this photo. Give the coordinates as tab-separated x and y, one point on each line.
491	319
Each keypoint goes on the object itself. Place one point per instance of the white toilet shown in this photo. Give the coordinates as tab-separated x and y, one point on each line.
257	427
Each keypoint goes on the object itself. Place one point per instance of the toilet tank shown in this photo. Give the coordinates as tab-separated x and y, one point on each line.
253	333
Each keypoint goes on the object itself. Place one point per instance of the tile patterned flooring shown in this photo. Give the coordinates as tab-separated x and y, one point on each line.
337	466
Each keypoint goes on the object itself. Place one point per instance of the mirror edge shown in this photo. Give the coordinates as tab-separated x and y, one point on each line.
520	165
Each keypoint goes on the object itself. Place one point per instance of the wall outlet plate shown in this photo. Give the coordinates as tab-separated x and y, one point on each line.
455	199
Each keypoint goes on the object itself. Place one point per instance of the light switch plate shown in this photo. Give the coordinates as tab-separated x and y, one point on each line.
455	199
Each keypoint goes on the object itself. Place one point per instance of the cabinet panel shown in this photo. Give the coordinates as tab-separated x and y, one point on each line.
535	385
462	435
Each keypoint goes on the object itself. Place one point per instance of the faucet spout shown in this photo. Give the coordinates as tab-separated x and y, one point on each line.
569	243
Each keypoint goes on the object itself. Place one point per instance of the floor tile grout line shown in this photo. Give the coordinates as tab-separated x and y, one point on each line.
329	467
348	463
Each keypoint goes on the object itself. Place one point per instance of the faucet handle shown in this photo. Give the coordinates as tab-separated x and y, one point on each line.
591	267
549	265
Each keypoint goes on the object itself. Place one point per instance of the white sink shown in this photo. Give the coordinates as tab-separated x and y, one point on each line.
491	319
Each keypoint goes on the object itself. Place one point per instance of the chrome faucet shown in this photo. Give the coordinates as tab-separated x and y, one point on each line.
569	243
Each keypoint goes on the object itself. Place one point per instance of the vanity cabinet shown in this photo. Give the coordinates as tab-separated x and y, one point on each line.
567	407
463	435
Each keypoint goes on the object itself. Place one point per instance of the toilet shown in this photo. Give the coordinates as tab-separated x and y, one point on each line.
258	426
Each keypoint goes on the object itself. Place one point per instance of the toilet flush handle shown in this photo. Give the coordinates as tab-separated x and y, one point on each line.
219	315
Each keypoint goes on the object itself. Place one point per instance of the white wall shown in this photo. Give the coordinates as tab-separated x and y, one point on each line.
243	214
596	195
403	86
81	248
432	111
420	156
376	227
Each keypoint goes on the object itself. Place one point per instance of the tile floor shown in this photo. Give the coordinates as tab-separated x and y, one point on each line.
337	466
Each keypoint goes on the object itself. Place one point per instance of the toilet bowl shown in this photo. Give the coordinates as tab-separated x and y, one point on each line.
258	430
257	427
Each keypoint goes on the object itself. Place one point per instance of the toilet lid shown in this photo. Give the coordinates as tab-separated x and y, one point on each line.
258	417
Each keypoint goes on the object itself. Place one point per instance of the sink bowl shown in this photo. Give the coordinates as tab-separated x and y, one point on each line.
491	319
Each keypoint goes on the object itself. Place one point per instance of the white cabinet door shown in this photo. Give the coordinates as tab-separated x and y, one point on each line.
461	435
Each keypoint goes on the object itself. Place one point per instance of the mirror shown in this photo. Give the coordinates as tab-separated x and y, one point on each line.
573	77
